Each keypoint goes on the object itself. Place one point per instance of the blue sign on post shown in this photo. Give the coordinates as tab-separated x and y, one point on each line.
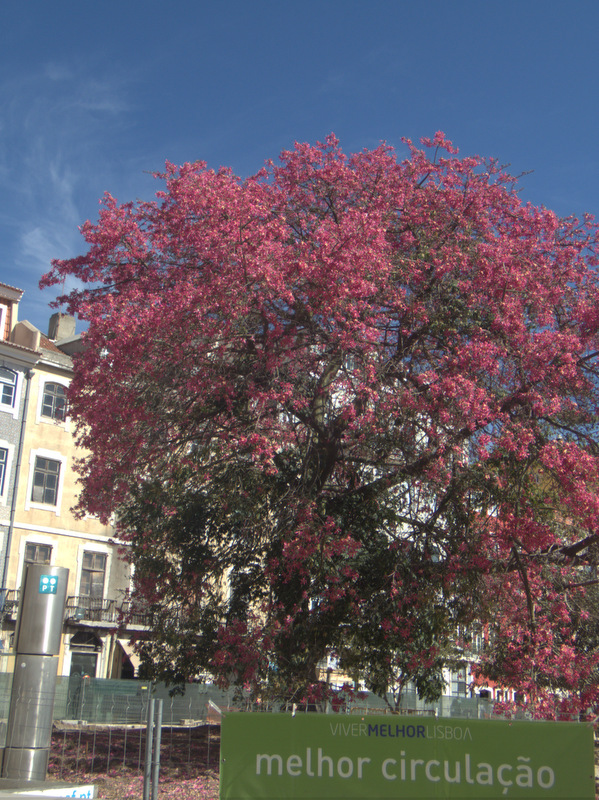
48	584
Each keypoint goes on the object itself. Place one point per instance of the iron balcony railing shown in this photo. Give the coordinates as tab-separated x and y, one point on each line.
86	609
98	609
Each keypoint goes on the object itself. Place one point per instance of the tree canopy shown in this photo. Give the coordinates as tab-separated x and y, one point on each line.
347	406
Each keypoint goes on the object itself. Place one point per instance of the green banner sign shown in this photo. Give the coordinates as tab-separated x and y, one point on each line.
339	757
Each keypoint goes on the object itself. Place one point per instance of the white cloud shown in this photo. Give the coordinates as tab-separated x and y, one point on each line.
59	138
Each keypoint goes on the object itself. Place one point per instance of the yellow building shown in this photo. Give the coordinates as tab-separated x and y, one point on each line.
39	489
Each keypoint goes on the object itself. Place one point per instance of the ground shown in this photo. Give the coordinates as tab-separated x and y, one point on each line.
113	760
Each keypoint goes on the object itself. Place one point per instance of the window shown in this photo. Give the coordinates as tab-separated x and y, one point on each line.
93	571
54	402
478	643
3	469
8	387
47	472
4	322
84	665
84	649
350	362
458	682
46	476
37	553
6	455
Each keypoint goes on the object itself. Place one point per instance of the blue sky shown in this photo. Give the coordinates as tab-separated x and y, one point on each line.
94	96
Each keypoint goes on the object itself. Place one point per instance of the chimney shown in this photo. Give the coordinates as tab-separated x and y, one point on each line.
61	326
26	335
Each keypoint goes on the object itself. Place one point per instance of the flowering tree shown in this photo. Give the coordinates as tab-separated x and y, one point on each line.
342	407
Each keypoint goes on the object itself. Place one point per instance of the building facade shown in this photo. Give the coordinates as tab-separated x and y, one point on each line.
38	490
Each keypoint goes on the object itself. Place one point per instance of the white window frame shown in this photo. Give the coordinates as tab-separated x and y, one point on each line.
40	400
14	409
101	663
3	313
92	547
53	456
4	445
36	539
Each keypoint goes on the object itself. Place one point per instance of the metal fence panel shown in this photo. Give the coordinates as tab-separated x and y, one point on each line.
97	701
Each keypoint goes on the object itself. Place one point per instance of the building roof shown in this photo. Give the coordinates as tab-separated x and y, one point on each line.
48	344
10	292
18	353
52	355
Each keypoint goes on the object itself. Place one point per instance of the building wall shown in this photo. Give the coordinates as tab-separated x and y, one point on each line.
10	432
45	522
16	364
42	524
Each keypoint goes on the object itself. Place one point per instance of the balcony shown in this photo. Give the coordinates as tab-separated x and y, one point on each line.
106	612
9	603
86	610
91	609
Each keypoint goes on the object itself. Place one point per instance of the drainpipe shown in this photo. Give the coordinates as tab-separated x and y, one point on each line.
13	505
